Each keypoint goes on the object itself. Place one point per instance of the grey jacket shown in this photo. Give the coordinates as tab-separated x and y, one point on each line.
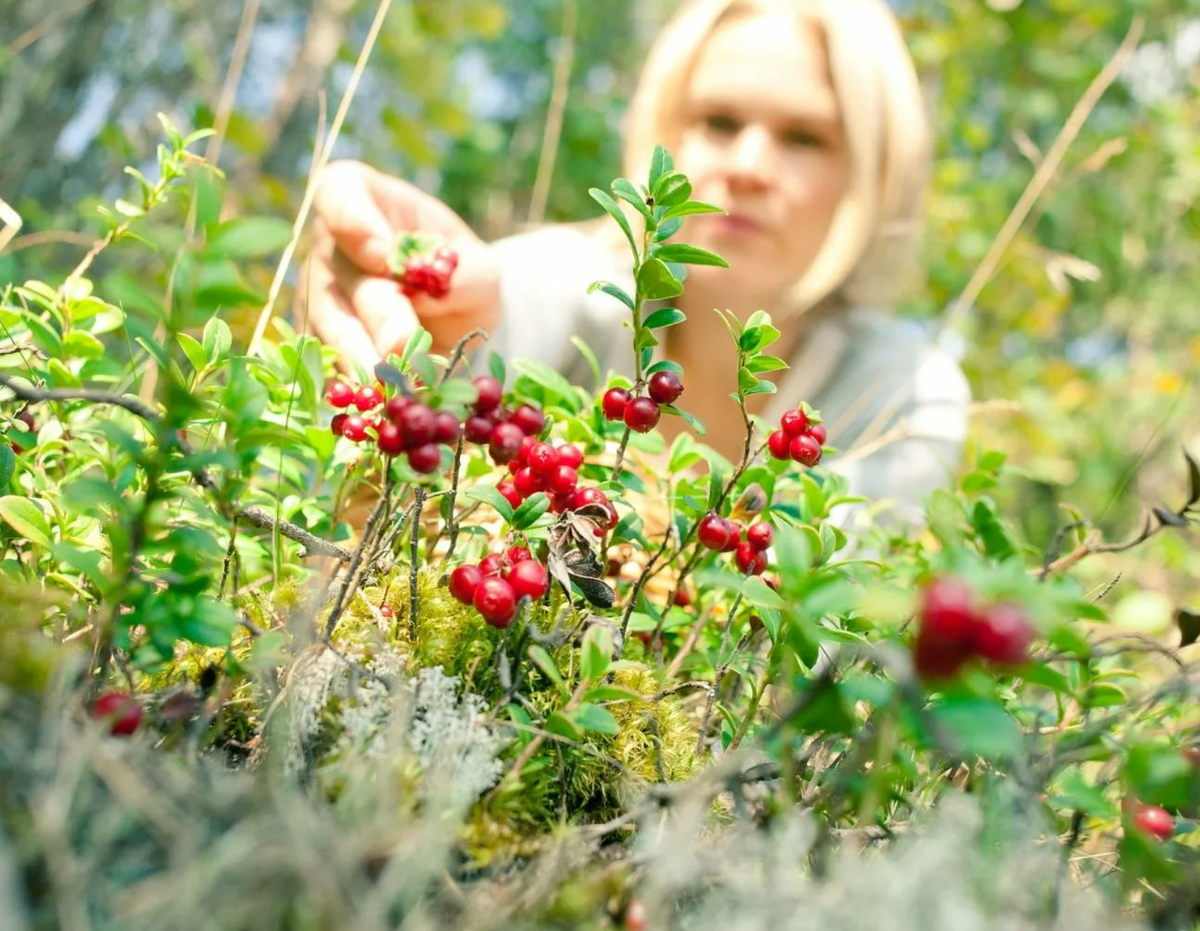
894	403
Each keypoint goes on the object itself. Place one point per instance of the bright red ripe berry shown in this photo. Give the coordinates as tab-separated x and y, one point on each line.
563	480
447	255
682	598
614	402
1155	821
529	419
817	432
1003	635
120	709
463	581
338	424
794	423
760	535
495	600
490	564
525	482
504	442
367	398
735	536
642	415
665	387
511	495
339	394
391	440
445	428
750	560
386	612
542	457
526	445
394	406
805	450
570	455
780	445
438	280
425	458
529	577
613	517
416	424
490	392
582	497
355	428
713	531
516	554
478	429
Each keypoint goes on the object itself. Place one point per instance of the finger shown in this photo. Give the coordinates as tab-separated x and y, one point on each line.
384	311
346	203
327	312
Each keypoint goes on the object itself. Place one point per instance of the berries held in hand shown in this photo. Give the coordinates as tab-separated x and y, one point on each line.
614	402
642	415
367	398
1155	821
529	577
445	428
750	560
338	424
665	387
805	450
1003	635
339	394
120	709
505	442
478	429
355	428
425	459
490	392
390	440
570	455
780	445
495	600
463	582
794	422
528	419
714	531
760	536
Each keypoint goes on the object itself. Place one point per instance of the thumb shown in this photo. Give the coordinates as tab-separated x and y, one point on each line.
360	230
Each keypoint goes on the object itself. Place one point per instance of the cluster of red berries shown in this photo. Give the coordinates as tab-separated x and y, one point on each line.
428	272
953	628
122	712
502	431
797	438
554	470
749	546
406	426
641	414
498	582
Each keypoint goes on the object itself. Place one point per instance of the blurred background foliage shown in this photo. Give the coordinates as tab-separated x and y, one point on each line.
1090	329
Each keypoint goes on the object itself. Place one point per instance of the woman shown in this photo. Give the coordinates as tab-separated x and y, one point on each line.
803	119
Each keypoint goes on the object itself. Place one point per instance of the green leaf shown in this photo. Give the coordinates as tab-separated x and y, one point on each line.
761	595
44	335
732	324
665	365
664	317
530	510
488	494
549	378
746	381
80	344
545	662
1105	695
1075	792
667	229
689	255
758	337
672	189
978	728
762	364
627	192
8	463
193	350
610	693
217	339
418	344
26	518
656	283
596	719
661	163
595	654
558	723
692	421
210	623
613	291
614	210
246	237
987	525
496	366
689	208
586	351
85	561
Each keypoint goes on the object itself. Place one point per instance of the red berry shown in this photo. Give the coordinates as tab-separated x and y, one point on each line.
386	612
425	458
613	517
529	577
515	465
391	440
570	456
355	428
504	442
447	255
445	428
416	424
760	535
805	450
367	398
463	582
614	403
1155	821
780	445
415	275
525	482
563	480
635	915
395	404
682	598
817	432
490	392
516	554
338	424
511	495
496	601
936	659
438	283
713	531
527	443
948	612
665	387
478	429
582	497
641	415
529	419
542	457
1003	635
794	423
339	394
1192	755
490	564
750	560
120	709
735	536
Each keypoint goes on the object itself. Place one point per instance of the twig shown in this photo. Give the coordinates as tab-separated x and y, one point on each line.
415	561
616	472
385	501
451	523
554	114
460	349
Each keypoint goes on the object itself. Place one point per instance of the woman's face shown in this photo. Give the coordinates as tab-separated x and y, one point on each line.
762	138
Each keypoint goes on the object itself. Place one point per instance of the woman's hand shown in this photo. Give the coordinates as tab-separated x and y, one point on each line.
347	295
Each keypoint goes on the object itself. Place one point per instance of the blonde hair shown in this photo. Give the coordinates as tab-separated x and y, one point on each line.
873	234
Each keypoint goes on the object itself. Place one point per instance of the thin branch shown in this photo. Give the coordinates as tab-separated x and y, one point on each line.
415	561
460	349
347	589
554	114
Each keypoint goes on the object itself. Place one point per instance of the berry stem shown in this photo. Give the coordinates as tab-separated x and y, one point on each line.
460	349
451	523
414	555
352	573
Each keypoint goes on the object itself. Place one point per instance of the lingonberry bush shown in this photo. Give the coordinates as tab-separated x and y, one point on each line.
458	642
